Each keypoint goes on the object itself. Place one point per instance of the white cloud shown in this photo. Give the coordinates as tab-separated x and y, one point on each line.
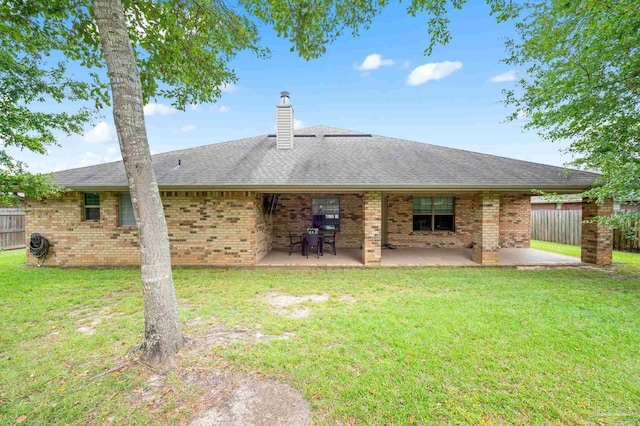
195	107
100	134
224	108
86	159
187	128
504	77
373	62
297	124
229	88
89	159
406	64
112	150
158	109
63	165
432	71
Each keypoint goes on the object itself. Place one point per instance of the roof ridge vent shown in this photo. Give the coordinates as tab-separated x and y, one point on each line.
348	135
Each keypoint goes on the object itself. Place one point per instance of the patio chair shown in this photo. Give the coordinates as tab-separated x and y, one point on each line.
312	240
330	240
294	240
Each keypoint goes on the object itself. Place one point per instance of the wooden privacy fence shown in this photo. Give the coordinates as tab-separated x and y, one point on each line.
565	227
620	242
11	229
558	226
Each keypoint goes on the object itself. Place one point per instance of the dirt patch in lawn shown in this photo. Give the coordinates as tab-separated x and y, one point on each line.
204	395
248	400
228	397
87	319
288	305
220	335
348	298
213	397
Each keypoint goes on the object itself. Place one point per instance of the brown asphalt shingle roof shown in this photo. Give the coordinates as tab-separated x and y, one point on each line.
329	157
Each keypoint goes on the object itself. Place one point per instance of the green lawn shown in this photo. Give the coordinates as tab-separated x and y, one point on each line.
629	259
408	346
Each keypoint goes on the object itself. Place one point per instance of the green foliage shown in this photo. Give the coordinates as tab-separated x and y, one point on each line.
183	50
311	25
582	84
26	80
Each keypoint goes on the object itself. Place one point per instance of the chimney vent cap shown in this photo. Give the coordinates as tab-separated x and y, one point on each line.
284	97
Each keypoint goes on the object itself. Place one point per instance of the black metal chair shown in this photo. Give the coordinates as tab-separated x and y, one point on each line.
312	240
294	240
330	240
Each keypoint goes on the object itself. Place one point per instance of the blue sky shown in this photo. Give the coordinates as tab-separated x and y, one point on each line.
377	83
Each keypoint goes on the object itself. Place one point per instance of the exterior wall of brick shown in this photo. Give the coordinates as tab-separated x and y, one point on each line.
372	228
515	220
230	228
597	240
400	223
514	224
293	213
486	228
78	243
205	228
264	237
211	228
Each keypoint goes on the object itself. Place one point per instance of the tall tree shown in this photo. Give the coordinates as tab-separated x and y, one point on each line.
162	328
581	83
180	50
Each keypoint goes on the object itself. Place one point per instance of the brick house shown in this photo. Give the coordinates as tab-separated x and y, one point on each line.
231	203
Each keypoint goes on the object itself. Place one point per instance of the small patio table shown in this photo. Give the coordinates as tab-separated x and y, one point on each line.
304	243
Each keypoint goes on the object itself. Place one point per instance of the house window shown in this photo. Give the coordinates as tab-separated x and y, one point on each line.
91	206
326	213
433	214
125	210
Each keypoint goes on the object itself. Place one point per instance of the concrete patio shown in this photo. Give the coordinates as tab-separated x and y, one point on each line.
346	257
352	257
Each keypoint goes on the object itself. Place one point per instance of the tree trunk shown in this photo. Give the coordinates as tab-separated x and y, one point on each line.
162	335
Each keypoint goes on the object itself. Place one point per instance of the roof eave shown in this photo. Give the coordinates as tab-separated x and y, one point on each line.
567	189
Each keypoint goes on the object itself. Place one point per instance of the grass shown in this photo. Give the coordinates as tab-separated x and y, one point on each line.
418	346
630	259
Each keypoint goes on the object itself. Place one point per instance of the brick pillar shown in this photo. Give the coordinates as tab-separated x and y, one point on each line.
486	228
372	228
597	240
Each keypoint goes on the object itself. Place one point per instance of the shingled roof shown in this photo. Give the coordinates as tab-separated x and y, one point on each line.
326	157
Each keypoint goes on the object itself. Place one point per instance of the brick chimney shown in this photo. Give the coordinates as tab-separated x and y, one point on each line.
284	122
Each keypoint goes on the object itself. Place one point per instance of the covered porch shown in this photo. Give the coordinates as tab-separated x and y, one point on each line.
419	229
413	256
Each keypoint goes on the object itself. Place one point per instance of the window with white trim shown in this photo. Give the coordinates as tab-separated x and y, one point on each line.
125	210
433	214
